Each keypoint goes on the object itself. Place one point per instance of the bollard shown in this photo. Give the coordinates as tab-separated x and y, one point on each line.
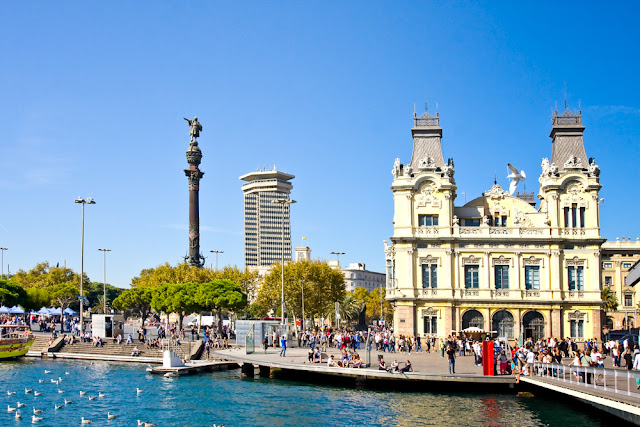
247	370
265	371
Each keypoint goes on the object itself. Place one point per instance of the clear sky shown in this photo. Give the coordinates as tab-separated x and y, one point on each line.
93	96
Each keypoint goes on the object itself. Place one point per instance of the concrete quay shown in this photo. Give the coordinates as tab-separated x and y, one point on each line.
430	370
194	367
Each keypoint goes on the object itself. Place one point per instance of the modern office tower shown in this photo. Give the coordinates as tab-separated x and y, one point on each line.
265	221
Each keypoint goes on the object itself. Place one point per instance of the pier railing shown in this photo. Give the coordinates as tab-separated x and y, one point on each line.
622	381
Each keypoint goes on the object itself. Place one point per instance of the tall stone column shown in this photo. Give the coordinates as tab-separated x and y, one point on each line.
194	174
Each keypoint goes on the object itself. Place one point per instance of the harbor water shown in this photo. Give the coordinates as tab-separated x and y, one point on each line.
226	398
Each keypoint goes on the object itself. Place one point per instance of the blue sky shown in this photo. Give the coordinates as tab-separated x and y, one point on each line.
93	96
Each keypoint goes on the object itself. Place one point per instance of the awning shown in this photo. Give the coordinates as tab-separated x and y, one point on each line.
69	311
4	309
55	310
476	330
16	310
43	310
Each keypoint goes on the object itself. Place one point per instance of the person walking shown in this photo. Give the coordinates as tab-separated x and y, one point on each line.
451	355
283	345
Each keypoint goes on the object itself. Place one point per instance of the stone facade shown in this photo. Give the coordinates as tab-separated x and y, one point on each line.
617	259
356	275
496	262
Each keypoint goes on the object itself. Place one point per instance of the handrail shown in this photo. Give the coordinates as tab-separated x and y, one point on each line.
608	379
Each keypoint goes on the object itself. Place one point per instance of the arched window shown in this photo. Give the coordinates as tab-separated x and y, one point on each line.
533	325
471	319
503	324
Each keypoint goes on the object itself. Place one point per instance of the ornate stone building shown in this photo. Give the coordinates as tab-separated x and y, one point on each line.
496	262
617	260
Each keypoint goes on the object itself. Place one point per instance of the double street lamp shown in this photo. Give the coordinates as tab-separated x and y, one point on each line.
87	201
217	252
104	281
337	254
283	203
2	250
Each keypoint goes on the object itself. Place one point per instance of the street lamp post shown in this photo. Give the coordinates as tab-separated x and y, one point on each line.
302	328
217	252
337	254
283	203
2	250
87	201
104	281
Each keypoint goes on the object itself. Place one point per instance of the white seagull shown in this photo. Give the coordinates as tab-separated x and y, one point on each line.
101	395
68	402
139	390
111	416
40	381
35	419
37	393
60	391
21	405
149	425
28	390
10	393
58	406
82	393
66	373
55	382
18	415
92	398
10	409
47	372
515	176
86	421
37	411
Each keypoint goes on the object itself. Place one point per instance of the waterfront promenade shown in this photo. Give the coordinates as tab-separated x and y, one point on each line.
427	367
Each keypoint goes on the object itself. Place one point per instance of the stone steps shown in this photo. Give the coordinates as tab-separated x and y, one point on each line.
119	349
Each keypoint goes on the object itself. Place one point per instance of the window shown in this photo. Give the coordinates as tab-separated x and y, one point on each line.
566	217
577	328
607	265
472	222
502	276
582	211
431	325
532	277
628	300
427	220
574	214
626	265
471	277
576	278
608	280
429	275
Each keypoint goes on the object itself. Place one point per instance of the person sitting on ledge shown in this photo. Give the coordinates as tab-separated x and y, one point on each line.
381	365
407	367
311	355
331	363
317	355
357	362
394	366
135	352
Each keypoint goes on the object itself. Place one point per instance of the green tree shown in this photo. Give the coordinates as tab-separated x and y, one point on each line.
219	295
135	299
373	306
95	295
249	281
323	286
165	273
175	298
64	294
45	276
12	294
609	299
349	308
37	298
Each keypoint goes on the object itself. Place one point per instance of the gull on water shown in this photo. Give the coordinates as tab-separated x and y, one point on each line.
139	390
18	415
47	372
21	405
10	393
101	395
66	373
68	402
37	393
60	391
28	390
35	419
37	411
92	398
58	406
40	381
10	409
111	416
86	421
82	393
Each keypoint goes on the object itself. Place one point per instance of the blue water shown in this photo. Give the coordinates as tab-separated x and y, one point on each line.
225	398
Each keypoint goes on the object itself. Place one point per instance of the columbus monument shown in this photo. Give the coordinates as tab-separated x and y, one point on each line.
194	174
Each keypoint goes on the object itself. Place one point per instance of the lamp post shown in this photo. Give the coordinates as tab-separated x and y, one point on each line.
283	203
2	250
217	252
87	201
337	254
302	328
104	281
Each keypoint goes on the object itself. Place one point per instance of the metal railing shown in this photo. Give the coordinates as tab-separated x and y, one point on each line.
622	381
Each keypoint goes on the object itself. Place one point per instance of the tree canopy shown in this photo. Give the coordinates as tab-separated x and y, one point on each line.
135	299
322	287
12	294
64	294
372	300
44	276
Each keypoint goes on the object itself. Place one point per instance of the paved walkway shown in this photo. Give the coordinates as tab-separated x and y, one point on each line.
423	363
